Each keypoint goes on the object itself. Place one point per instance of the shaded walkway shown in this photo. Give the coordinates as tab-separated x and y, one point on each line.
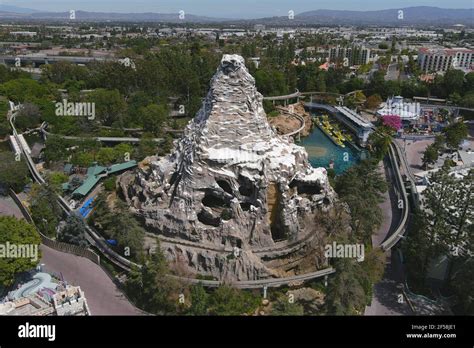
9	208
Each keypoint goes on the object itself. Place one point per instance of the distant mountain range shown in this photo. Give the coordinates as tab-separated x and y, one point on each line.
16	9
412	15
420	15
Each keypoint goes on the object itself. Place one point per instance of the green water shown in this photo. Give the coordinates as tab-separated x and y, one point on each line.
321	151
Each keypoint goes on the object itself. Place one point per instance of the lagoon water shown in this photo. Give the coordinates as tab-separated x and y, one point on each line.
321	150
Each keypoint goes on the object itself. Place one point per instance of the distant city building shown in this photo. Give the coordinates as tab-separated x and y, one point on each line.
441	59
24	33
356	54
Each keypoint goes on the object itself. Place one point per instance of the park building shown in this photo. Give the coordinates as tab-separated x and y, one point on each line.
397	106
46	299
93	176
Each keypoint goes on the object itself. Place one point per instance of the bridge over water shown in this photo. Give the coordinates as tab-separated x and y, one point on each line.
348	117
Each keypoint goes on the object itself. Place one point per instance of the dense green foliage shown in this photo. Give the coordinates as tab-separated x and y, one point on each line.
151	289
283	307
74	231
362	188
442	228
13	173
119	224
16	232
45	210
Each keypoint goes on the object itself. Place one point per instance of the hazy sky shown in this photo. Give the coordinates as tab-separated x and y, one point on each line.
229	8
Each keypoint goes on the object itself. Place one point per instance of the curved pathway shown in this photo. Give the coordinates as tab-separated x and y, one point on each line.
9	208
103	296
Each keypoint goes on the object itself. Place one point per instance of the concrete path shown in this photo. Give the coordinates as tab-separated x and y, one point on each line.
414	152
9	208
386	293
388	297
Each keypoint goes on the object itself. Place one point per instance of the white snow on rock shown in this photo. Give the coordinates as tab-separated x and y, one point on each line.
231	181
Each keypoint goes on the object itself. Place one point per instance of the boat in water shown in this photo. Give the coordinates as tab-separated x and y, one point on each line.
331	131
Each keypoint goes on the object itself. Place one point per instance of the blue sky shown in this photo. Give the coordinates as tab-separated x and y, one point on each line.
229	8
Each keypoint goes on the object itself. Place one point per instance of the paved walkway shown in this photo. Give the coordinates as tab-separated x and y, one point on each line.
386	293
414	152
9	208
390	211
102	295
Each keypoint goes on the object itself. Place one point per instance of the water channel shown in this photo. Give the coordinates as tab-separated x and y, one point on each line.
322	151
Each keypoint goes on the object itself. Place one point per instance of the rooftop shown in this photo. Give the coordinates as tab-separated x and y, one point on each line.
95	173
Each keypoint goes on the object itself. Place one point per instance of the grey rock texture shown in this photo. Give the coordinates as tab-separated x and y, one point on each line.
231	188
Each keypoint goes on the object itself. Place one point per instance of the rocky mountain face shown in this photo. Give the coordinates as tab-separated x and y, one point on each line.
233	194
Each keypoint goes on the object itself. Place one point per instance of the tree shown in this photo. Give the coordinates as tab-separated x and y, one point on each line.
199	300
110	183
444	226
56	179
230	301
270	81
392	121
430	156
469	82
455	133
13	173
392	88
29	116
83	159
55	148
283	307
153	118
106	156
17	232
23	90
374	264
455	98
151	288
463	285
453	81
119	224
373	101
461	207
65	71
362	187
122	152
468	100
110	106
345	295
146	147
45	209
380	141
74	231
